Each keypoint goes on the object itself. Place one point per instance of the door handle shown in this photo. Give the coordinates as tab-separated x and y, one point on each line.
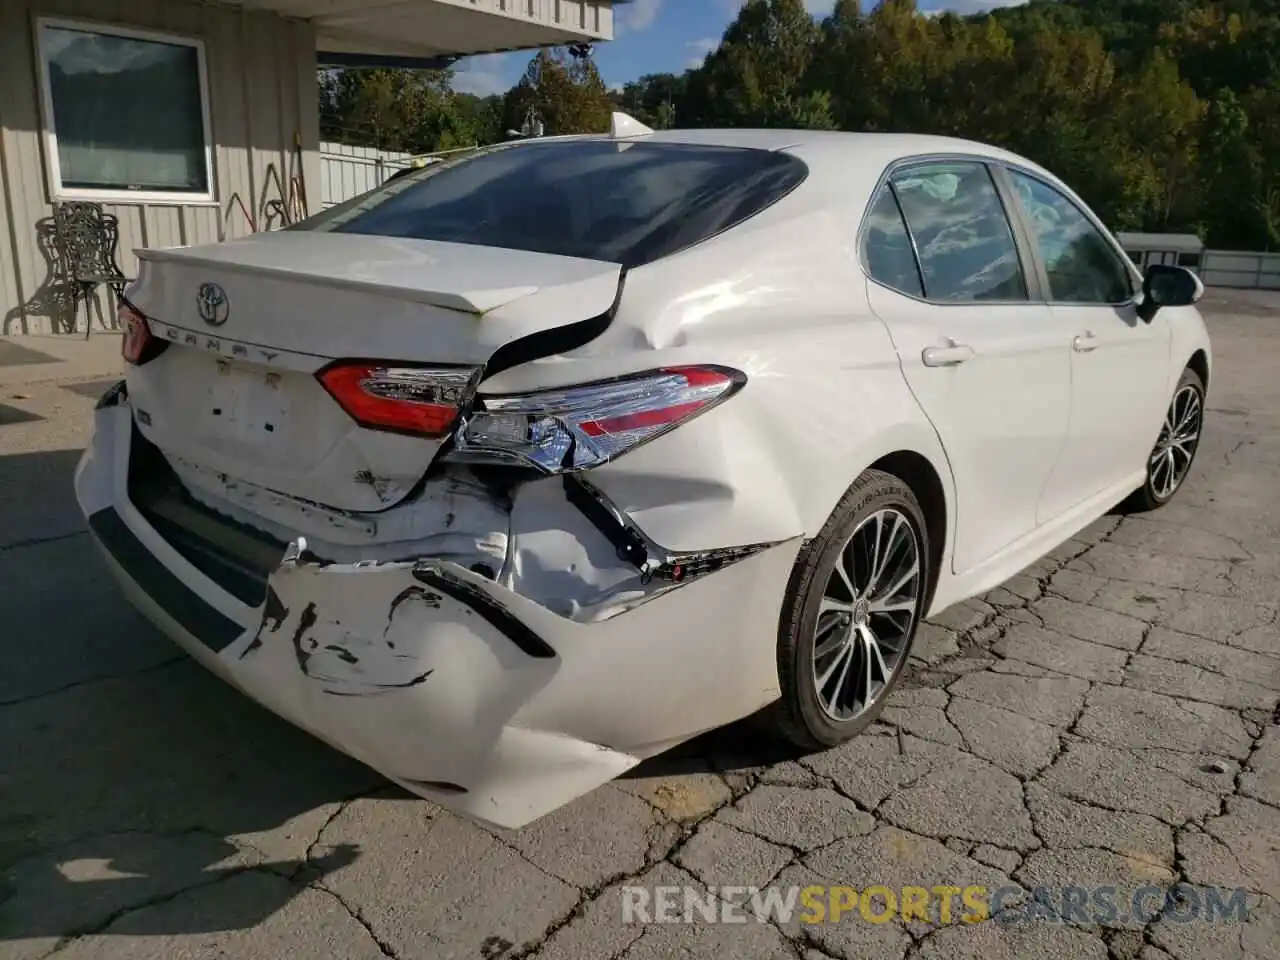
949	356
1084	343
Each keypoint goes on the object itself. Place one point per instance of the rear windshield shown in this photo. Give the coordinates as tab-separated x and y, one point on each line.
628	203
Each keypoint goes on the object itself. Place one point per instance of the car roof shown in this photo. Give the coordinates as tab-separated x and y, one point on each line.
829	153
870	153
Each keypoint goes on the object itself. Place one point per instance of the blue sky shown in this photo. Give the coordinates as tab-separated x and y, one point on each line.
656	36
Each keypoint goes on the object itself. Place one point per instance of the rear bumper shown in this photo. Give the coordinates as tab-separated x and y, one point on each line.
452	685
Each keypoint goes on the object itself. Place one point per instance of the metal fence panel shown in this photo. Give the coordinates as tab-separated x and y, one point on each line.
1238	268
347	171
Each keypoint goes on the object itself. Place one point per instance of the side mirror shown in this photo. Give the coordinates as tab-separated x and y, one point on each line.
1168	286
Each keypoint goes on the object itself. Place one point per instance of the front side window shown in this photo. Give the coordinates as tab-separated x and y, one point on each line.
1082	265
628	203
886	247
966	246
125	113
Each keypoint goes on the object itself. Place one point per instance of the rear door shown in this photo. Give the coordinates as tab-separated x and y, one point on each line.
1119	363
988	362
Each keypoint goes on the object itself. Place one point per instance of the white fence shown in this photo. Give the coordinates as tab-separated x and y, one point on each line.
347	172
1237	268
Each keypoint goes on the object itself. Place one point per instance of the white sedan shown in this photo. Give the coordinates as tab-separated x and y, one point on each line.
534	463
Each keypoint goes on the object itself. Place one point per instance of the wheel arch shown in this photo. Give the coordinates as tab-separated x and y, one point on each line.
923	478
1199	362
912	452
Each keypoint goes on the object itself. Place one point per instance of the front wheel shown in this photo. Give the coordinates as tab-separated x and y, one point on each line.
857	594
1170	460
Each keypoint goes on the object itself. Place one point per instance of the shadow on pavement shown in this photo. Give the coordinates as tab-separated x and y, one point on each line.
37	501
128	774
744	745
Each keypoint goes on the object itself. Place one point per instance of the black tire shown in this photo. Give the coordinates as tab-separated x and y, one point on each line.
800	716
1152	495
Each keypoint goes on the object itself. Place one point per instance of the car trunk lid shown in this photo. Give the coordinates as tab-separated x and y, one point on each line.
234	401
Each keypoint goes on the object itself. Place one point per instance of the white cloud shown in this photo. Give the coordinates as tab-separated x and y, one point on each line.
475	78
698	50
636	16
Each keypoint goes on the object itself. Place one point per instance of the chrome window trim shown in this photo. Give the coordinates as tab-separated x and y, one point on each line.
1135	277
1026	257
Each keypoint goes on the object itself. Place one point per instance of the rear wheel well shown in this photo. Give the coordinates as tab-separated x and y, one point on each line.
918	474
1199	362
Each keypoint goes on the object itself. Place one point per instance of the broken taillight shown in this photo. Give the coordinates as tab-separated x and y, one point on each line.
574	428
423	401
137	345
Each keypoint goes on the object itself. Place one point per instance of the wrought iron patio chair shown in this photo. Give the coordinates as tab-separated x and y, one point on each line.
87	241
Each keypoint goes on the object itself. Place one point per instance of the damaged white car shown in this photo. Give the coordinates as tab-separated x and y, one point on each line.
534	463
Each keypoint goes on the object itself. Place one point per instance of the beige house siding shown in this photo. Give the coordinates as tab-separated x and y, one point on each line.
265	135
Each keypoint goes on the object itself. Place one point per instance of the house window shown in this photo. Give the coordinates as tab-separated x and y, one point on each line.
126	114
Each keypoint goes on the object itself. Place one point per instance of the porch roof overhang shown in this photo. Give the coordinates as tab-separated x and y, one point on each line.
436	32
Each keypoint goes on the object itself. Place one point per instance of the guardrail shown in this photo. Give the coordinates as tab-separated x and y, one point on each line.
1240	269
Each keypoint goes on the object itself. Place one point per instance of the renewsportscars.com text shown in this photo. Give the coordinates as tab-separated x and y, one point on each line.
941	904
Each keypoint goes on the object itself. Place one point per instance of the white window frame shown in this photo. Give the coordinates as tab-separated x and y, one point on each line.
53	169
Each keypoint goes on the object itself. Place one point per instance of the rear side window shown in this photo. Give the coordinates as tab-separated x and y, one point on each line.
628	203
886	247
966	246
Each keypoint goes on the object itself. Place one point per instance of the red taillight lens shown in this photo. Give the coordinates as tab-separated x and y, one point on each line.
137	346
575	428
423	401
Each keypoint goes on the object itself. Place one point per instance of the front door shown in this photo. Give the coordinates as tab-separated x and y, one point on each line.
1119	364
989	365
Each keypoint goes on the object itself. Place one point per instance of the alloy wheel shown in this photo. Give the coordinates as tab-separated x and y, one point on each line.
867	614
1176	448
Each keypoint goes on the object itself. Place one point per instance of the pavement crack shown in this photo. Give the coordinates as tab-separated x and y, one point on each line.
1226	457
946	712
159	900
88	681
38	541
309	854
586	897
508	845
355	914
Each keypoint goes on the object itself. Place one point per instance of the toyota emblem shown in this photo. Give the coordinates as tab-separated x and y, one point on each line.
211	301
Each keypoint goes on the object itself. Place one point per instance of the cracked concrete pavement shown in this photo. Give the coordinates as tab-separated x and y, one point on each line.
1107	717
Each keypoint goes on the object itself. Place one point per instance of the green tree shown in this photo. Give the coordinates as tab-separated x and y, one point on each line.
415	111
1159	115
1163	114
564	91
756	77
653	98
1229	165
1263	109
